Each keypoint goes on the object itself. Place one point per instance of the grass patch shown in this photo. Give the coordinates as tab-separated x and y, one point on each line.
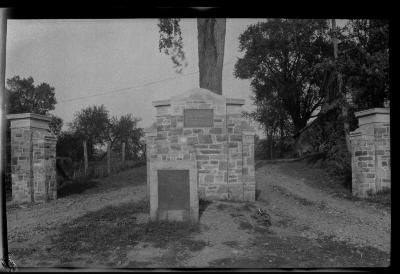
248	207
162	233
194	245
232	244
381	198
132	177
299	252
245	225
222	206
100	232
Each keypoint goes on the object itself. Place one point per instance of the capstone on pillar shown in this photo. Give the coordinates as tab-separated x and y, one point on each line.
33	158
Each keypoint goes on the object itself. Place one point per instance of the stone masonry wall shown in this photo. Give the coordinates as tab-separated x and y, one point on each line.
21	164
370	158
33	165
224	157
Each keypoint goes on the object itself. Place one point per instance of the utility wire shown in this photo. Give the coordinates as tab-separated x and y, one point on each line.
133	87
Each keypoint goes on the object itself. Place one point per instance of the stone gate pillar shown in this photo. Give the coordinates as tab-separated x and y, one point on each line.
33	158
370	155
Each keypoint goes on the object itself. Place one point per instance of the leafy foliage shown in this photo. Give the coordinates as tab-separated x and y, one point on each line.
280	56
55	125
69	144
92	123
24	96
294	73
364	62
171	42
125	129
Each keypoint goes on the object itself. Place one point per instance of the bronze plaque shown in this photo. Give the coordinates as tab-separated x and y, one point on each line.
198	118
173	190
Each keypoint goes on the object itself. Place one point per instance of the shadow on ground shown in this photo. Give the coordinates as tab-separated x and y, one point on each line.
203	204
76	188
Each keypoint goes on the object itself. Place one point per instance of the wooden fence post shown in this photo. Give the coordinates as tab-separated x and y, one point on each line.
109	158
123	152
85	156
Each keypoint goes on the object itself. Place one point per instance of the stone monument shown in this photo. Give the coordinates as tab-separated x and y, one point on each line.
199	147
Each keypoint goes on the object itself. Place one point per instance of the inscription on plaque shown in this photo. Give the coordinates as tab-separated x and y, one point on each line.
173	190
198	117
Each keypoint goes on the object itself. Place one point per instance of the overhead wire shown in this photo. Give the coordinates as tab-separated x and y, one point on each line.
134	87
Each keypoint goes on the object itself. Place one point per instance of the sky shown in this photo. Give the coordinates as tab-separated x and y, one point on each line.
115	62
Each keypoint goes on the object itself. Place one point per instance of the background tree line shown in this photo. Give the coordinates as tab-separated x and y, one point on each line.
91	128
308	77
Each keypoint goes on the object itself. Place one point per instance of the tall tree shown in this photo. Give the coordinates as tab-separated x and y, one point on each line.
211	44
342	98
280	58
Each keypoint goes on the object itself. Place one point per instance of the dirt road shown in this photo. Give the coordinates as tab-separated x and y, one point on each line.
290	196
310	226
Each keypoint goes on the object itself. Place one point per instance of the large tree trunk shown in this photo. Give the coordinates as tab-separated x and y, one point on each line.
343	105
211	44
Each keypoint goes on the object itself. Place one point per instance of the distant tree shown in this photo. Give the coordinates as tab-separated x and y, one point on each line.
24	96
211	45
125	130
92	123
280	58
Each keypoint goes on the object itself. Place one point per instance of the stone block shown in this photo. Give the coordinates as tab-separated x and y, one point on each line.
204	139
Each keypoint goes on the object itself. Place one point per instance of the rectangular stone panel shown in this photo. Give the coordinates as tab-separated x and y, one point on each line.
173	190
198	118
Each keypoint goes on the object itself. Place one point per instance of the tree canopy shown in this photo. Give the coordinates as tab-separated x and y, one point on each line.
280	58
92	123
364	62
24	96
125	130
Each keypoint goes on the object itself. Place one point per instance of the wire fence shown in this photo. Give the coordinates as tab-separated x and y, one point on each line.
96	169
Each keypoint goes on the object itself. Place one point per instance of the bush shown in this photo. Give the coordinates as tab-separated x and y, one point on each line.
69	144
